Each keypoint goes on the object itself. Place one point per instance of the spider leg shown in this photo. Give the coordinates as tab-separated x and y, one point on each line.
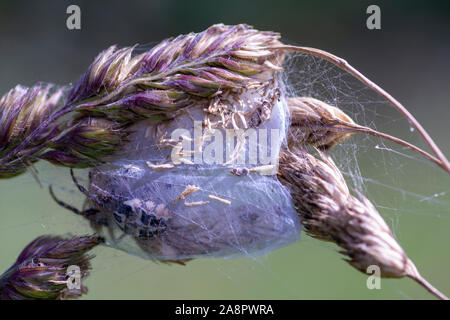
79	186
82	189
84	213
94	197
121	237
180	262
111	234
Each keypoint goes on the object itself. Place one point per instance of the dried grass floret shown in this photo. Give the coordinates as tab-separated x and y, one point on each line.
186	192
330	213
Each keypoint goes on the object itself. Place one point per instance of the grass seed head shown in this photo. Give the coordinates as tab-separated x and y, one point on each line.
40	271
22	110
310	123
329	212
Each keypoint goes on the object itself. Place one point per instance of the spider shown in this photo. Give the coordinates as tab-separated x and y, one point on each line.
139	218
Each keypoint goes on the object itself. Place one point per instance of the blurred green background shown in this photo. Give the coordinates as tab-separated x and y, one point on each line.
409	57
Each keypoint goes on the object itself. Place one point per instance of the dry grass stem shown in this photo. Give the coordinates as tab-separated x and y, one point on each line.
164	166
227	202
344	65
195	204
317	123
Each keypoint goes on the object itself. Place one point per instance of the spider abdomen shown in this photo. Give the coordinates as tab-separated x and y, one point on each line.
141	218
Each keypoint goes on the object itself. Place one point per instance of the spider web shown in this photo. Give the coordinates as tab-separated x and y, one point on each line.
314	77
399	182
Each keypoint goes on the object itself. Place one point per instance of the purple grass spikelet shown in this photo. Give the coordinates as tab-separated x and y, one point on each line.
41	270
